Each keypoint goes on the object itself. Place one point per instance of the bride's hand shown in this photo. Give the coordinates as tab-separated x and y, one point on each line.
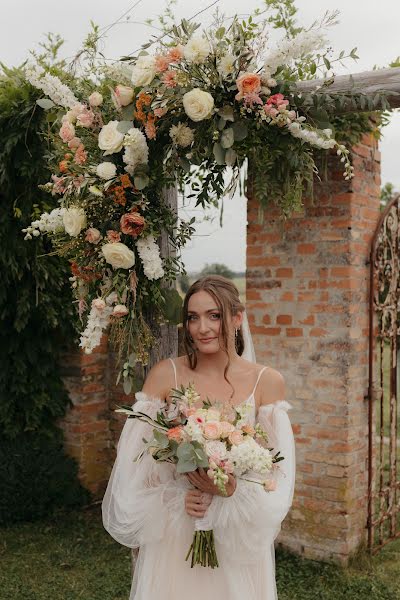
196	503
202	482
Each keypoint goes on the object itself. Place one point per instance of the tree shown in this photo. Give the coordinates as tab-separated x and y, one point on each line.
217	269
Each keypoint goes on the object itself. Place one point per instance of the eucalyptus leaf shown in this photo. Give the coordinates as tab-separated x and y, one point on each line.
161	439
124	126
240	130
227	138
230	157
127	385
127	112
45	103
186	466
141	181
219	154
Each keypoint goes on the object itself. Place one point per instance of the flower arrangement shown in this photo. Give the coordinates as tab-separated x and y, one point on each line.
215	437
191	112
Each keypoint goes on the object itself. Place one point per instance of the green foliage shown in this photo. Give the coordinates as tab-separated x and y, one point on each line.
217	269
35	300
37	478
387	193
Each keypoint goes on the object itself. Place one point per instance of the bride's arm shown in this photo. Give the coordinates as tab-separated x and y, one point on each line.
143	498
248	522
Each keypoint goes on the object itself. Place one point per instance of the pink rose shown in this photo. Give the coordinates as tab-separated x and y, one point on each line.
248	83
212	430
93	235
236	437
275	99
113	236
95	99
99	304
124	95
120	310
226	428
74	143
67	132
85	118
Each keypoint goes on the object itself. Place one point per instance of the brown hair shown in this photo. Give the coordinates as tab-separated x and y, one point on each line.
226	295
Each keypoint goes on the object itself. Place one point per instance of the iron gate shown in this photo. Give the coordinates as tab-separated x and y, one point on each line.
384	378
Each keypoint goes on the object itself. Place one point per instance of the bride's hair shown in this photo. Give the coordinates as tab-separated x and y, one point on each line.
226	295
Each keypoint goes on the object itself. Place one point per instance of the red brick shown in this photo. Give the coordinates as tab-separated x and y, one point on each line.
284	319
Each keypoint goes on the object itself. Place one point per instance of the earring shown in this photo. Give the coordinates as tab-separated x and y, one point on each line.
236	332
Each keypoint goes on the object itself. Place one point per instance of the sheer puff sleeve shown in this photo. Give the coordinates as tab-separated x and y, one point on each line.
247	522
142	498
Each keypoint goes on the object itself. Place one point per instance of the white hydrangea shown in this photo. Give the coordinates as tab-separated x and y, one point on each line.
136	150
194	431
51	86
98	320
52	222
216	448
149	253
226	65
250	456
294	49
106	170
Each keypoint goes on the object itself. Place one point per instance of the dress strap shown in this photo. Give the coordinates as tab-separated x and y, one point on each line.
258	379
176	380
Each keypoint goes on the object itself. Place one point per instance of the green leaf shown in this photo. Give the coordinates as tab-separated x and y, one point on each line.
124	126
327	63
161	438
127	112
127	385
172	308
45	103
227	138
230	157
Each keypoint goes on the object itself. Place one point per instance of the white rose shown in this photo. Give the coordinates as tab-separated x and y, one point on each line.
95	99
198	104
197	49
144	71
124	94
74	220
110	139
118	255
106	170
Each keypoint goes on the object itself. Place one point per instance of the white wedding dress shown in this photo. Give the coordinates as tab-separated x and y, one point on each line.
144	507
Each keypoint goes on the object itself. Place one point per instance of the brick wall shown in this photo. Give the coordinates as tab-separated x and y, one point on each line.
307	299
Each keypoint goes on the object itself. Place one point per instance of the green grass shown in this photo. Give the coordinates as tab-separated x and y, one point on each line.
71	557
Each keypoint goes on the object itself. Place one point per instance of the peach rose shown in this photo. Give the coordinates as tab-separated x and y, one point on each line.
74	143
248	429
236	437
176	434
269	485
93	235
248	83
85	118
120	310
132	224
212	430
226	428
113	236
99	304
67	132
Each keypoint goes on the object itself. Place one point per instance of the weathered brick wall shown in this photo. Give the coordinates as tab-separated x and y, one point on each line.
307	299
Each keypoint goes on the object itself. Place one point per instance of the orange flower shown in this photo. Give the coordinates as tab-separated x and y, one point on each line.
132	224
125	181
176	434
118	193
63	166
162	62
175	54
248	83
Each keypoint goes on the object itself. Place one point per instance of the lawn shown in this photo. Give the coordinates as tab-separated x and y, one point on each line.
71	557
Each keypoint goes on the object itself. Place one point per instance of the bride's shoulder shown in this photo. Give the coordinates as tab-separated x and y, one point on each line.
272	386
160	379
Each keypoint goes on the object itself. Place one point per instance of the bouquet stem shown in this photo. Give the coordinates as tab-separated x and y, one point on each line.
203	550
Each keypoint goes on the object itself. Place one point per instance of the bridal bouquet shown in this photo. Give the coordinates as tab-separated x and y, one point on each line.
215	437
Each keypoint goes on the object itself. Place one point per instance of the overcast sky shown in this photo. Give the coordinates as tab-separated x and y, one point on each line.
371	26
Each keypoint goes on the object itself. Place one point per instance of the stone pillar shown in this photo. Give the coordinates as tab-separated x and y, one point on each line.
307	299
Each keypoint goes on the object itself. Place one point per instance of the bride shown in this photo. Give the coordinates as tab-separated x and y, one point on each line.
148	505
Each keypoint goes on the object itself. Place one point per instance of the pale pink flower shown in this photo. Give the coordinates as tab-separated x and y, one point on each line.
124	94
269	485
212	430
120	310
162	62
113	236
228	466
292	115
85	118
151	131
175	53
99	304
80	155
251	99
67	132
82	306
74	143
93	235
95	99
160	112
226	428
236	437
77	181
169	79
58	184
270	110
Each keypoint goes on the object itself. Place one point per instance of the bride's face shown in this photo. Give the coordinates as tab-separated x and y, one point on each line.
204	322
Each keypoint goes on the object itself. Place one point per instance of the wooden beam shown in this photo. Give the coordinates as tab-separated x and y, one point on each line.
368	83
